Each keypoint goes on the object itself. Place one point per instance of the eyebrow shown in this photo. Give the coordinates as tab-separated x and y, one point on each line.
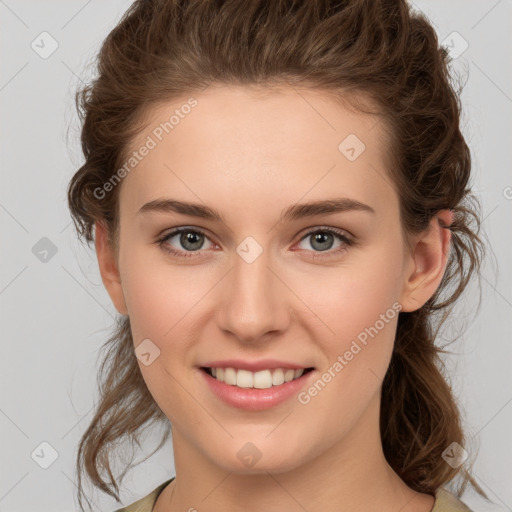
294	212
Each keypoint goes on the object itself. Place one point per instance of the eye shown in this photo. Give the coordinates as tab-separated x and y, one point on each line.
323	239
192	240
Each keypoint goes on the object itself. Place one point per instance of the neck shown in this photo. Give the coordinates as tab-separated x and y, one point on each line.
351	475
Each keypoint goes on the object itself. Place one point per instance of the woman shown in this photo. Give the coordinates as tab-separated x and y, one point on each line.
225	143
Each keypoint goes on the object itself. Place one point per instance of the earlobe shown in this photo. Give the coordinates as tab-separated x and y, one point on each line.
108	268
428	261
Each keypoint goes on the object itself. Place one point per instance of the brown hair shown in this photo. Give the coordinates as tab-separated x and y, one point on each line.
374	49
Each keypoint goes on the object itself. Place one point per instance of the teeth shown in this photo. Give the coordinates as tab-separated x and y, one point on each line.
259	380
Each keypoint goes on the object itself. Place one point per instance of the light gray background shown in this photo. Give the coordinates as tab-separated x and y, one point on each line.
56	314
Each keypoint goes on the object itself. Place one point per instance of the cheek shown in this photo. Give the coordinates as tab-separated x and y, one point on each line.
163	304
363	315
160	296
356	311
350	298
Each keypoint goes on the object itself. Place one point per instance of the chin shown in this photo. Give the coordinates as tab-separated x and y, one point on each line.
252	458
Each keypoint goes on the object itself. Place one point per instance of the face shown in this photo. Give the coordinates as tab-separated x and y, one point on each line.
314	287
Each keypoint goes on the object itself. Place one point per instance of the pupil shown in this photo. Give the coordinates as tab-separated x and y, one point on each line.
188	238
320	237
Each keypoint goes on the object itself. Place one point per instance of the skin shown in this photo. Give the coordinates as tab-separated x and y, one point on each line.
250	154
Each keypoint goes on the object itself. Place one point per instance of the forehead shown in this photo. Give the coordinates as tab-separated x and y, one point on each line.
238	145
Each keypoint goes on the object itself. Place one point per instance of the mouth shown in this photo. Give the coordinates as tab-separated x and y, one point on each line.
263	379
256	391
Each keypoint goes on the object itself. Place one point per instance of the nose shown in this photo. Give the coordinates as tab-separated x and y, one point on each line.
254	300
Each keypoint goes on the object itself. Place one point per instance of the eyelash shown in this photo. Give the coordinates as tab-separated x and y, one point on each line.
348	242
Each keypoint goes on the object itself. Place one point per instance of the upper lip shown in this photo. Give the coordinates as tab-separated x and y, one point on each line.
253	366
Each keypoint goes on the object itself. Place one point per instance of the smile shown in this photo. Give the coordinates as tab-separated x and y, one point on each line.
244	392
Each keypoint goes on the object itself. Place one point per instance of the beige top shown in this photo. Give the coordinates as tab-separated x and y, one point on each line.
445	501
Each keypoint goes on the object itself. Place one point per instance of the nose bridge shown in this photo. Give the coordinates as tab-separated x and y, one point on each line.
254	301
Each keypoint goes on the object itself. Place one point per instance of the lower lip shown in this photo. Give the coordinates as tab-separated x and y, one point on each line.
253	399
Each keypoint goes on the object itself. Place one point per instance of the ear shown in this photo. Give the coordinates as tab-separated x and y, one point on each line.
108	267
427	262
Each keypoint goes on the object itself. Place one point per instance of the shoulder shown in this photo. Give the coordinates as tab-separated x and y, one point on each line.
447	502
146	503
